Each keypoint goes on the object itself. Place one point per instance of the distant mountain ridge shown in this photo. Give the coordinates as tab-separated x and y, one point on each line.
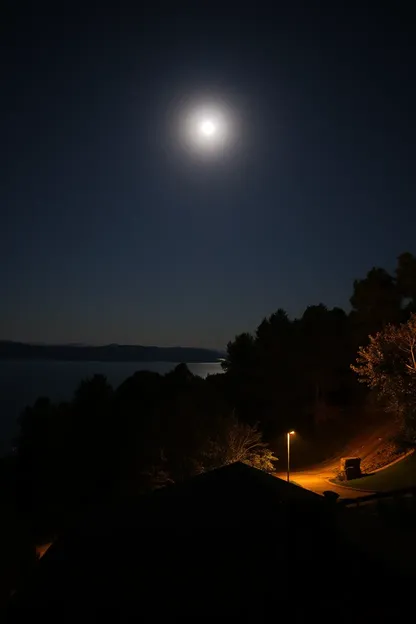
10	350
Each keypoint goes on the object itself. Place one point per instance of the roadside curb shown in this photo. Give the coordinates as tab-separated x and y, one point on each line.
349	487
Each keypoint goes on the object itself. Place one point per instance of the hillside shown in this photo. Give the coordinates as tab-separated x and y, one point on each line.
374	444
370	437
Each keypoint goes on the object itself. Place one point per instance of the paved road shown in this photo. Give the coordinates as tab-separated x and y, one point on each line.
318	482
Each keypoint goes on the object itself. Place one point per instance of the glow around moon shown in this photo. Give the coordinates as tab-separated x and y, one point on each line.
206	128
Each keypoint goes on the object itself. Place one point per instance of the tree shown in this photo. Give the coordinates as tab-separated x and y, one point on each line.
234	441
323	355
376	301
240	355
180	374
276	326
406	280
92	438
276	366
43	463
243	376
139	433
387	365
291	369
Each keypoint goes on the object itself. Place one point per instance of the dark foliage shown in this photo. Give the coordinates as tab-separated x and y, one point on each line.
107	443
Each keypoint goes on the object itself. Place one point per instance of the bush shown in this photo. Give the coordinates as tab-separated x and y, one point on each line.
238	442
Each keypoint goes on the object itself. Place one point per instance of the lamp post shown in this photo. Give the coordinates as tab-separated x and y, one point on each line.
289	433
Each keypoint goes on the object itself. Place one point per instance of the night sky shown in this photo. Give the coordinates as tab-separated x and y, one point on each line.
113	230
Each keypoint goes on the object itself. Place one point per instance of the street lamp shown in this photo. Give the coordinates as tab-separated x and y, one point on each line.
289	433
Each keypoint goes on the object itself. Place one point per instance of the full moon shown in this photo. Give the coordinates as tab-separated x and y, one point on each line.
208	128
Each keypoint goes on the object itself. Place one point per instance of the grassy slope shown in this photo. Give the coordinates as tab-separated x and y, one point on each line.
400	475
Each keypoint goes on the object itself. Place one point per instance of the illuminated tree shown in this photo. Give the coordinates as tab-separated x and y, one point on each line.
235	441
387	365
